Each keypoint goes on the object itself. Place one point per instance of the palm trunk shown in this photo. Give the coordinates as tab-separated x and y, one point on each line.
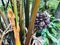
35	9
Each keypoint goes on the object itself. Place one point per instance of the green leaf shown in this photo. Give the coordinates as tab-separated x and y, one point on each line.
52	38
38	33
42	3
58	0
58	25
46	41
56	21
52	4
54	31
43	33
9	5
54	26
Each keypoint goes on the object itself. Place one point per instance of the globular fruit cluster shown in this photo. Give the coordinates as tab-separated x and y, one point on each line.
42	20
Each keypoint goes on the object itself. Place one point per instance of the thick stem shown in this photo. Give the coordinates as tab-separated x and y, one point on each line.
17	37
34	12
16	28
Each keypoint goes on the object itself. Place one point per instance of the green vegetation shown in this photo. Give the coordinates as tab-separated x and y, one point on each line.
21	19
